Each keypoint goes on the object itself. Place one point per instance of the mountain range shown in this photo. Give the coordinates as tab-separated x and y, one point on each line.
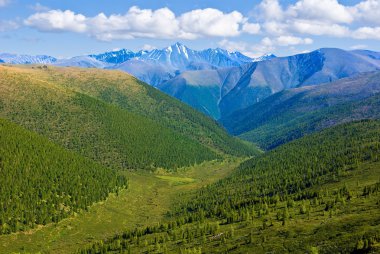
293	113
94	160
218	82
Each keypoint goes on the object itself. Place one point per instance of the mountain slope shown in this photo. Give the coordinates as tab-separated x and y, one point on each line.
129	93
318	194
268	77
42	182
111	117
293	113
203	89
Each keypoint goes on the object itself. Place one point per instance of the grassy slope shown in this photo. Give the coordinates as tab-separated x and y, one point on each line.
127	92
42	182
293	113
146	201
329	211
107	133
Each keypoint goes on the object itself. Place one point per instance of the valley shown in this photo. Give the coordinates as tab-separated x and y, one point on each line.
146	201
94	160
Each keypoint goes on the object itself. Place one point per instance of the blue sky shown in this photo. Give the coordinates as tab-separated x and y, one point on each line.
77	27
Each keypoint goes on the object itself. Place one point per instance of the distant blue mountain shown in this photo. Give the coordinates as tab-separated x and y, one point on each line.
27	59
295	112
268	77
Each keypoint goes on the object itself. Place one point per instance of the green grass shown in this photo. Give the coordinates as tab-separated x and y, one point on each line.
175	180
145	202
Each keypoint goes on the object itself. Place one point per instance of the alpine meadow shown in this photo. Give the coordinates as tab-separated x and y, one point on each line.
189	127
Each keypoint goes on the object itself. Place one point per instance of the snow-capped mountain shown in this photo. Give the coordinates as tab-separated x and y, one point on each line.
177	57
27	59
118	57
160	65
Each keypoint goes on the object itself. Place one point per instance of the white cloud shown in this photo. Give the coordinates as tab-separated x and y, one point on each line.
211	22
57	21
251	28
146	23
4	2
292	40
269	10
276	27
320	18
304	26
367	33
330	11
367	11
280	23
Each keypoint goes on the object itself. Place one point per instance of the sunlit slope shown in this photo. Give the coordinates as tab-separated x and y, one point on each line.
42	182
114	136
129	93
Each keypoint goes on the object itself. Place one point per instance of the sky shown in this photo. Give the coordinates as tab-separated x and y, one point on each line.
78	27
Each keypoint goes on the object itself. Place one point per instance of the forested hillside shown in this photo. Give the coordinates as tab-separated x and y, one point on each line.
41	182
290	114
127	92
109	129
318	194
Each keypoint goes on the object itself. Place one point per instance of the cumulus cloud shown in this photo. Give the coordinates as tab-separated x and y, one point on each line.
367	33
57	21
327	10
319	18
367	11
292	40
211	22
270	18
304	26
269	10
146	23
251	28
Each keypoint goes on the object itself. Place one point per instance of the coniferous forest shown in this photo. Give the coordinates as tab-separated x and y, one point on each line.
43	183
279	201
